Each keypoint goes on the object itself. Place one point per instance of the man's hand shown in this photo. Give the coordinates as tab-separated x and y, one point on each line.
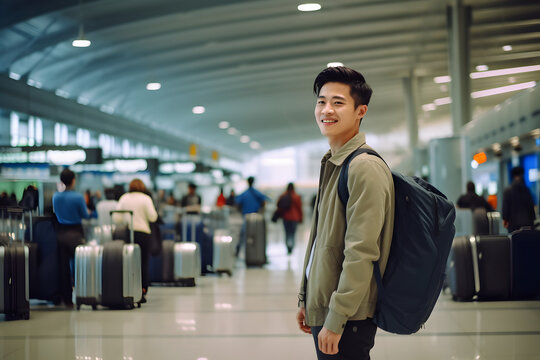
505	224
300	318
328	341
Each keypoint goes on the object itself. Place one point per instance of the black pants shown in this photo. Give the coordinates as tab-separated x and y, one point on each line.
357	340
69	237
290	233
143	240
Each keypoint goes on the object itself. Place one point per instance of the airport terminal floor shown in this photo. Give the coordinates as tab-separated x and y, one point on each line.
252	316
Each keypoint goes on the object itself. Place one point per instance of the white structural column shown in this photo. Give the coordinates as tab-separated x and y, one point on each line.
410	91
459	18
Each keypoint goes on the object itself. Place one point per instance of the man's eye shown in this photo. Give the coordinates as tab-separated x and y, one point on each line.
320	102
338	103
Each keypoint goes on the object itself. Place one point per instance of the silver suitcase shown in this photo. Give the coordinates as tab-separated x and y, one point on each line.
223	252
88	262
187	255
121	271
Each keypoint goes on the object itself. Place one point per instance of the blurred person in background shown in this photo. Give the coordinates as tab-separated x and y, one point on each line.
70	208
290	205
144	212
221	200
518	203
471	200
191	202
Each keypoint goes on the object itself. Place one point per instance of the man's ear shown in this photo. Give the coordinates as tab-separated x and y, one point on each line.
361	111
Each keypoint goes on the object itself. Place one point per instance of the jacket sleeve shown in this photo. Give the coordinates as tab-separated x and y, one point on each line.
370	185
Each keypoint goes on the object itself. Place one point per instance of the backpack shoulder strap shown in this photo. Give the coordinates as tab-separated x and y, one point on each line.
343	190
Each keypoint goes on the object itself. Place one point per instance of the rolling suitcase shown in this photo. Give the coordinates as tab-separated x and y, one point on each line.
48	270
480	268
255	240
187	256
121	271
194	227
88	262
14	276
223	261
525	259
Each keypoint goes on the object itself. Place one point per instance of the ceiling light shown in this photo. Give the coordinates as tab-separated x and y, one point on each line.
244	139
482	68
14	76
198	110
511	79
255	145
491	73
444	88
334	64
429	107
508	71
309	7
443	101
442	79
153	86
503	89
232	131
81	41
507	47
223	124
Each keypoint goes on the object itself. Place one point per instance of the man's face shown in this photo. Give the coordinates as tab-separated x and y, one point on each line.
335	113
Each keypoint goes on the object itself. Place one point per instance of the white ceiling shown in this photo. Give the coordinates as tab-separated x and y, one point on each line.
252	63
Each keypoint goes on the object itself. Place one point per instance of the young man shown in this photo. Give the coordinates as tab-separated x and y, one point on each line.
338	293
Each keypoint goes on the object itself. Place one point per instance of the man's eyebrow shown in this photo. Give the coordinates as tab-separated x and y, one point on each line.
333	97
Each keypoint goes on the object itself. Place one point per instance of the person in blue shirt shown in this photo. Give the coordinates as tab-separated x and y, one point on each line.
250	201
70	208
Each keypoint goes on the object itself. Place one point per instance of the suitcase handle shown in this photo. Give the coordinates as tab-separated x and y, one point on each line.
17	211
130	212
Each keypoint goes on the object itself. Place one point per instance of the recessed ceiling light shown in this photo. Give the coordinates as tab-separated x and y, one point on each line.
334	64
232	131
482	68
255	145
244	139
223	124
309	7
443	88
81	43
198	110
511	79
507	47
153	86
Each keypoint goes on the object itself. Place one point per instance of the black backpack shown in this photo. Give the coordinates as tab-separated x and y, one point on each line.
285	202
421	241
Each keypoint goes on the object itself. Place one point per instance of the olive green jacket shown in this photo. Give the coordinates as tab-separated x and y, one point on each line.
340	285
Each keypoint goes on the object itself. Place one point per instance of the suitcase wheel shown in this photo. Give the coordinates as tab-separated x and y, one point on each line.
139	305
94	307
78	306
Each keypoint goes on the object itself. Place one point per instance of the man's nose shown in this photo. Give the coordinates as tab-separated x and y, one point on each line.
328	109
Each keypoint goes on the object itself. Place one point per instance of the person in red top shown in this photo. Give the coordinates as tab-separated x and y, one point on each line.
290	204
221	200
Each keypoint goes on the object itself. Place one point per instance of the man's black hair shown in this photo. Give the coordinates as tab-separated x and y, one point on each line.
471	187
518	171
67	176
360	90
250	181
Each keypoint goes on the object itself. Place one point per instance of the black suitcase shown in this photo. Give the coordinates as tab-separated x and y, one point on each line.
480	268
255	240
14	282
525	256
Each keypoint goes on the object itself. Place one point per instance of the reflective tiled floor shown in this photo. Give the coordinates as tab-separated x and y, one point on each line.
252	316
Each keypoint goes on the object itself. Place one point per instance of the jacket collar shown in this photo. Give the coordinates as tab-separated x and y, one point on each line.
358	140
